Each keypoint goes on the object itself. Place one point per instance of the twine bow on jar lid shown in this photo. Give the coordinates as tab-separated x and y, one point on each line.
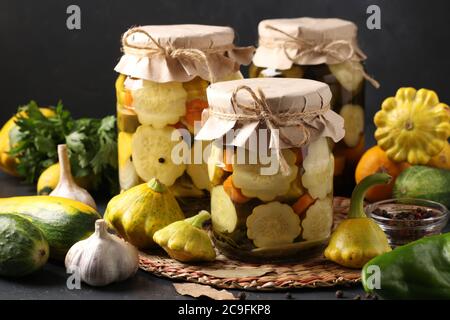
181	52
294	125
340	50
260	111
309	41
191	54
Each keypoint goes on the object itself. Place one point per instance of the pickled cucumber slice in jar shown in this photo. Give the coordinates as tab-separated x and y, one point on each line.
124	147
128	176
127	173
199	171
273	224
152	153
318	220
353	115
319	168
159	104
348	74
223	212
215	164
295	191
127	119
253	184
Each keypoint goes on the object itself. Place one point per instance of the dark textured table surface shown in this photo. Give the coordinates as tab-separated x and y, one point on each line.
50	282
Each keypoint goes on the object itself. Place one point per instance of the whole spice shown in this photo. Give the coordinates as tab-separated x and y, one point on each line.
418	270
102	258
358	238
67	187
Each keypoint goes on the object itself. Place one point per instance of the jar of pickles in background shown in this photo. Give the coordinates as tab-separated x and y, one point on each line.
325	50
161	90
271	166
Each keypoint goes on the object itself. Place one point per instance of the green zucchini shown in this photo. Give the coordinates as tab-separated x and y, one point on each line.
62	221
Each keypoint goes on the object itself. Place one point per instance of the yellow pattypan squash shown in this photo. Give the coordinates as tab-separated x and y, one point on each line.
358	238
186	241
136	214
412	126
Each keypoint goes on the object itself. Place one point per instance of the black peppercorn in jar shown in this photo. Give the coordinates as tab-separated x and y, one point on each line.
325	50
161	93
271	166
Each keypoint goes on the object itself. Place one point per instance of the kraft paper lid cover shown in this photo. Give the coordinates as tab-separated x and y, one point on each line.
164	53
306	41
298	108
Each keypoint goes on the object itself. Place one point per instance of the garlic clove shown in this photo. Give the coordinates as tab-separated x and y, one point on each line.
67	187
102	258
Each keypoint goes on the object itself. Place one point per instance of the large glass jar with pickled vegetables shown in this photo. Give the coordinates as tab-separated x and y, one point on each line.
325	50
161	93
271	166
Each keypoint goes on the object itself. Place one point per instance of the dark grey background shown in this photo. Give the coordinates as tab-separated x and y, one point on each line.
41	59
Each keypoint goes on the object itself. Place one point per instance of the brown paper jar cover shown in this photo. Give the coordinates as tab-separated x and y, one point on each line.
164	53
301	103
282	39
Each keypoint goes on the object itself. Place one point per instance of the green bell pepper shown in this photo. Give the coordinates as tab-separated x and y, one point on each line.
418	270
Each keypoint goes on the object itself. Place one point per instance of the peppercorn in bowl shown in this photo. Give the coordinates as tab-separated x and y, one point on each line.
406	220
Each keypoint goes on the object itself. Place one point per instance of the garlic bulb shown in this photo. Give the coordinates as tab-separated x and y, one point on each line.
67	188
102	258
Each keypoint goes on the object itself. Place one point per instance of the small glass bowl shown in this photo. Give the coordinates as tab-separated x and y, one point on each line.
406	220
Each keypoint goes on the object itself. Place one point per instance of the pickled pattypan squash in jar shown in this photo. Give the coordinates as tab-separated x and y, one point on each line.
271	166
325	50
161	93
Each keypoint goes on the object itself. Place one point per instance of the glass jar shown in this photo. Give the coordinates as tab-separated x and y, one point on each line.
345	79
348	101
158	106
276	217
145	146
259	211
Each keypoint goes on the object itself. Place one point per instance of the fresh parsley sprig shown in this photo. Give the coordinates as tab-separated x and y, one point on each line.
92	144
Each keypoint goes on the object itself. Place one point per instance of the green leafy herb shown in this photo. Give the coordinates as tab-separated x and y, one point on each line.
92	144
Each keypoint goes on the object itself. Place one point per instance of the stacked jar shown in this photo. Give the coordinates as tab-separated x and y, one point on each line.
161	93
271	166
325	50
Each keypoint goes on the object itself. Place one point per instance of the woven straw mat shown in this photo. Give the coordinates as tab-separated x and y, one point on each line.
232	274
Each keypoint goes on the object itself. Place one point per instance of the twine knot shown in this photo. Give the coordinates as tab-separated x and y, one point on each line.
340	50
259	110
168	50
